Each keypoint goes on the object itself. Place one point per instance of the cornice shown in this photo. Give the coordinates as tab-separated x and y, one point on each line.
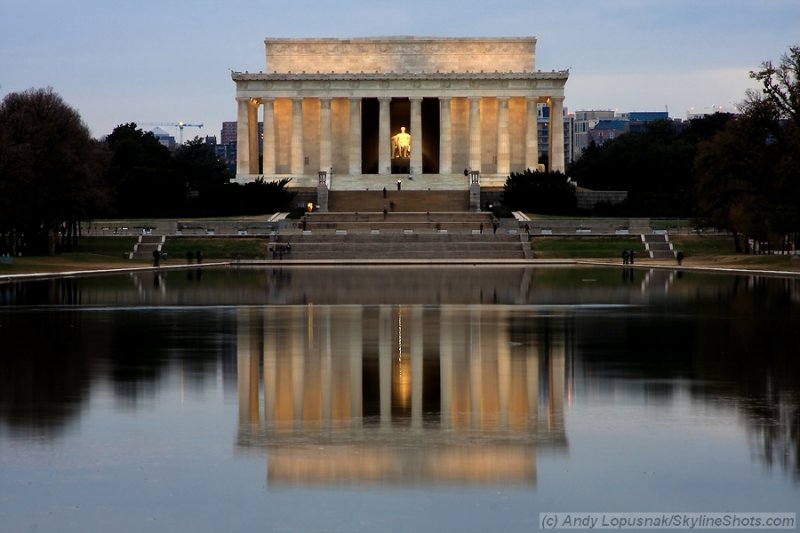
398	76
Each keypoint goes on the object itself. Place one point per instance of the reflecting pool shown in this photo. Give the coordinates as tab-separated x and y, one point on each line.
394	399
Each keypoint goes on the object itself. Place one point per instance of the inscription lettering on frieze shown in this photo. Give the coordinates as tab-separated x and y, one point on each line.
413	54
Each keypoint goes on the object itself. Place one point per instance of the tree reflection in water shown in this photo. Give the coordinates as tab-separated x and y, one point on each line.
730	338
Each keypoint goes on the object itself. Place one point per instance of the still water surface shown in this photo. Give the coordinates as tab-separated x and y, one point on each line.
389	399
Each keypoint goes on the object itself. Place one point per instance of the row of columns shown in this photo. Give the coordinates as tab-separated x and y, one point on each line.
307	378
247	135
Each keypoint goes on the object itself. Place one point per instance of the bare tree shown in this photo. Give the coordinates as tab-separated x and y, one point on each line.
781	84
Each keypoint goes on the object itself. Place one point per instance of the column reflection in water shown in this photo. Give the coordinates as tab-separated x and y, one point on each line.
399	394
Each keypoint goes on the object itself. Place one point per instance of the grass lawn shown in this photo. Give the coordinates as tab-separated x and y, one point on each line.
594	247
694	245
102	252
225	248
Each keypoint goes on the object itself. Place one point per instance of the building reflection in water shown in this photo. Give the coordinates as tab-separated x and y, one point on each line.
398	394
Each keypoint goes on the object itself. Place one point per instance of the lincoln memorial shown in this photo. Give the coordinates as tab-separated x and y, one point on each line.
357	114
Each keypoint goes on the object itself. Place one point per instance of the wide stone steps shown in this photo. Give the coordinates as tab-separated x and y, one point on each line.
146	246
303	251
398	245
412	238
394	200
393	222
658	246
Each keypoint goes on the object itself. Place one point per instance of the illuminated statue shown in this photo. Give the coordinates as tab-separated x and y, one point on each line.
401	144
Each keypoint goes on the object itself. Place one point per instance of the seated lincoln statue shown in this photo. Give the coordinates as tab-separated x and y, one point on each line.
401	144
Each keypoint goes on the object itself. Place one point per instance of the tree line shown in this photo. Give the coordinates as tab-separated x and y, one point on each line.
54	175
739	173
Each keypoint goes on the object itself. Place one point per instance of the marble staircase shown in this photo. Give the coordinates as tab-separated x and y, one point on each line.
658	246
406	235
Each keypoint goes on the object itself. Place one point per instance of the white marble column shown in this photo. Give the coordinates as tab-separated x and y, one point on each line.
242	136
252	127
269	161
445	137
355	136
297	166
474	133
325	136
416	136
503	147
384	135
532	134
556	134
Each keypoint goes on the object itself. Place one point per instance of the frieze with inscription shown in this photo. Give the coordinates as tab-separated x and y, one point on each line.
401	54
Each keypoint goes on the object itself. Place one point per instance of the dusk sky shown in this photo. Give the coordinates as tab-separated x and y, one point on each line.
167	61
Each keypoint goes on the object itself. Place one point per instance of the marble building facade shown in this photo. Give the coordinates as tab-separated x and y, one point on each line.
331	108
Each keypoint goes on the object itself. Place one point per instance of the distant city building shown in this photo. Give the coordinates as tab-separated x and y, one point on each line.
543	122
608	130
584	122
227	153
228	133
638	120
164	138
599	126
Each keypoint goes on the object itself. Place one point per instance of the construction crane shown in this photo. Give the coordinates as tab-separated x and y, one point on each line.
179	125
